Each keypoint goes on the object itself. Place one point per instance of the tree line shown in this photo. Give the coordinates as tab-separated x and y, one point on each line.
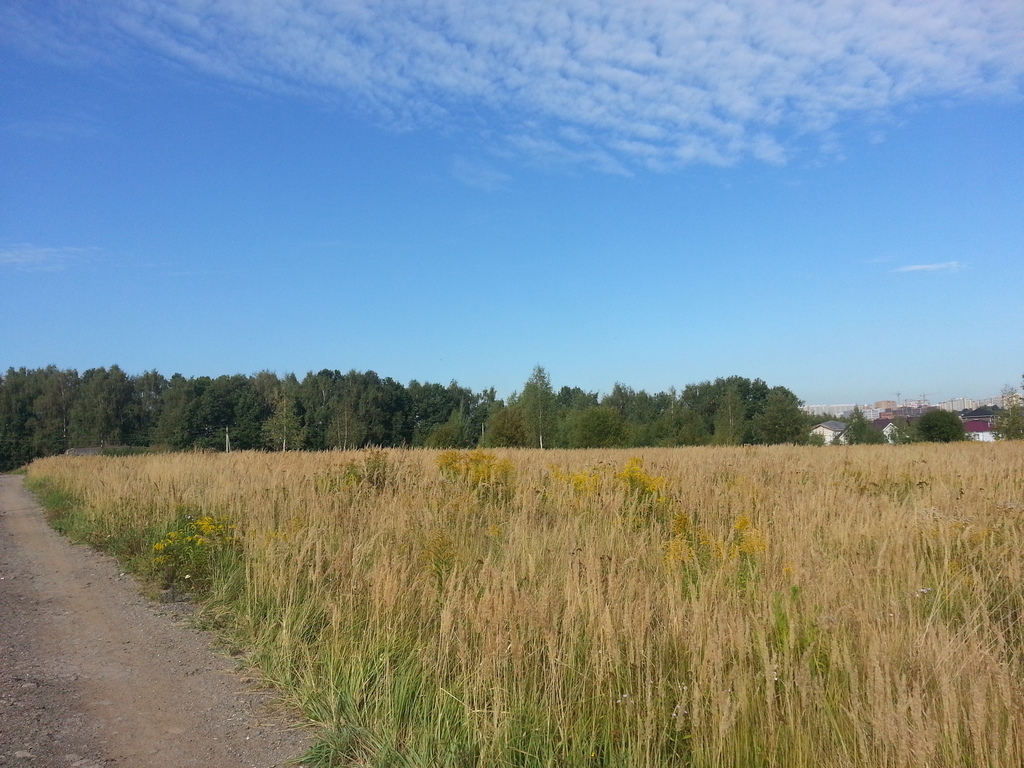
46	411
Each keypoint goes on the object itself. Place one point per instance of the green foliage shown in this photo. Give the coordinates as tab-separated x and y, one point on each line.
859	430
730	419
707	397
249	413
171	429
940	427
51	410
198	412
46	411
354	410
781	421
367	410
101	414
16	396
537	402
444	436
598	427
283	429
681	425
1009	424
575	399
432	406
146	407
507	428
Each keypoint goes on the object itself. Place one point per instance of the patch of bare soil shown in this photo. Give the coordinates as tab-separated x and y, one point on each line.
93	674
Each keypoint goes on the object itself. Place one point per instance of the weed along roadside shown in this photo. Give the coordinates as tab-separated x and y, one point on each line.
704	607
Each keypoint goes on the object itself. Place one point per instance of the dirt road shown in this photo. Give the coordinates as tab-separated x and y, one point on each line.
92	674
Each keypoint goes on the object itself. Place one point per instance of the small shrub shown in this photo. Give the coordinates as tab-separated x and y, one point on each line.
373	472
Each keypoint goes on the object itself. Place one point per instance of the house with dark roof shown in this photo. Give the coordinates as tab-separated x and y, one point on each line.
830	431
986	413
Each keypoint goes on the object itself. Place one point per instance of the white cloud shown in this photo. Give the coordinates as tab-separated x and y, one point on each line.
946	266
36	258
635	82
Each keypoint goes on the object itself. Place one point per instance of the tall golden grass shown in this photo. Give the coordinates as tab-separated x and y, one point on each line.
759	606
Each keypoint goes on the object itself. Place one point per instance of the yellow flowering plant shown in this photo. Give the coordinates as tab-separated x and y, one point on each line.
645	493
490	477
584	483
186	555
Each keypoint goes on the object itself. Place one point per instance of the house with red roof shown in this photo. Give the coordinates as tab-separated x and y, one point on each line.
979	429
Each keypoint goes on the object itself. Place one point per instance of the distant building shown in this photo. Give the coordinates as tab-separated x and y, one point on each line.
837	411
911	408
908	410
998	401
830	431
958	404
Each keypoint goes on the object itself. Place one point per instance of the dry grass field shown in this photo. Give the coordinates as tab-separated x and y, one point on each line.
770	606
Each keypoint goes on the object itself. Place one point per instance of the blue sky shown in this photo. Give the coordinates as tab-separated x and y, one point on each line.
826	196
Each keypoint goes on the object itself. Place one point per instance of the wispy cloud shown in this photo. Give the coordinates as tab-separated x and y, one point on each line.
36	258
61	128
479	175
657	83
945	266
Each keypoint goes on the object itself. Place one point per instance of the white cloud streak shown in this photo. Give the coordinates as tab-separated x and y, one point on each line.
617	83
35	258
946	266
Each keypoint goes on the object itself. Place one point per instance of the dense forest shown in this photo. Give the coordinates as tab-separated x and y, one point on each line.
46	411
